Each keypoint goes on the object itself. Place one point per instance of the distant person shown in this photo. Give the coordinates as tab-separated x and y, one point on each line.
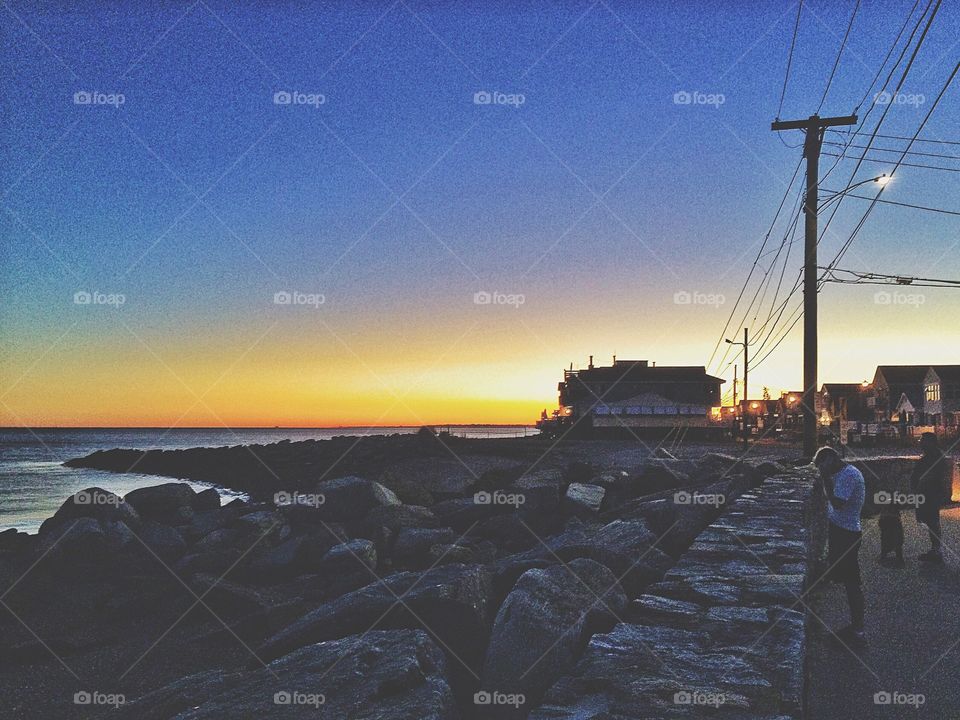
891	534
844	489
932	479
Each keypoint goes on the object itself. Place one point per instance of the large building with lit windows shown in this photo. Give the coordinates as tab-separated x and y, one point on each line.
638	396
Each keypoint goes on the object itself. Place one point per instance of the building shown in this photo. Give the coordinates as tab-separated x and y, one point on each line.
898	394
941	399
635	395
790	409
846	402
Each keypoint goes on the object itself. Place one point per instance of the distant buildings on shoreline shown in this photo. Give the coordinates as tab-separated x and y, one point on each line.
636	396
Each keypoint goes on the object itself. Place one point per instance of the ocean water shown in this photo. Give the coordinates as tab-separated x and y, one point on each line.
34	483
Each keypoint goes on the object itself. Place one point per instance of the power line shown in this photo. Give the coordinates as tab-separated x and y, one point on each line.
893	150
836	63
876	129
871	278
899	163
903	204
793	42
903	77
902	137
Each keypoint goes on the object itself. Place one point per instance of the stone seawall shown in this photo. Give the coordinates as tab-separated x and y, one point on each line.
723	634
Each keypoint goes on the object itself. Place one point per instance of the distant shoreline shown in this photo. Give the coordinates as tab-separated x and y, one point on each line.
267	427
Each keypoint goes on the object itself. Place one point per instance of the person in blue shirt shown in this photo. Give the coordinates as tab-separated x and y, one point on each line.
844	488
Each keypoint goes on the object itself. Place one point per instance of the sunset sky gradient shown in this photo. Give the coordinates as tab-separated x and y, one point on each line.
397	199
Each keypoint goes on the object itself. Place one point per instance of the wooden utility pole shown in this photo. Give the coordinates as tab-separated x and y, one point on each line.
734	387
814	127
746	392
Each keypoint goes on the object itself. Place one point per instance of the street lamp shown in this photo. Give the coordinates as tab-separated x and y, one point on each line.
746	370
881	180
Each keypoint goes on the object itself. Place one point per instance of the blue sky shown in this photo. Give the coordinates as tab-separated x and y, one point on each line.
397	197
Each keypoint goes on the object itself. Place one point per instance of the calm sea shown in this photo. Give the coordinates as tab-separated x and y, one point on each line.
34	483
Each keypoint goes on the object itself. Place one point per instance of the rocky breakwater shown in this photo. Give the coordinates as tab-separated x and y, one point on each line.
342	600
721	635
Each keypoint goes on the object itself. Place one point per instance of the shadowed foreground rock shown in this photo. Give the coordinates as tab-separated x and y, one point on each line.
382	675
543	624
452	602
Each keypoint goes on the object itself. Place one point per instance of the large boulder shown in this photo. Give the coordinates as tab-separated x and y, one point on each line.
541	627
451	602
398	517
170	503
627	547
348	557
267	526
349	499
208	499
164	541
382	675
412	546
92	502
86	545
584	498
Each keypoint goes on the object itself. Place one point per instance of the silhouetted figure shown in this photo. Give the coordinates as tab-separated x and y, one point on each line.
932	479
844	489
891	534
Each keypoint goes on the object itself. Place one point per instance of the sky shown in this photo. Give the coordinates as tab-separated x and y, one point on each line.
258	214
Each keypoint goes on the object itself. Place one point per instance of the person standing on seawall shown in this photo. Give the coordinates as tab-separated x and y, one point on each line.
931	479
844	488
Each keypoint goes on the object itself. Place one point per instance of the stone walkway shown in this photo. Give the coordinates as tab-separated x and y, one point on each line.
913	631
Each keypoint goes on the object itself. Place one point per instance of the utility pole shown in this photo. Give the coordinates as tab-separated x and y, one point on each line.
814	127
734	386
744	416
746	394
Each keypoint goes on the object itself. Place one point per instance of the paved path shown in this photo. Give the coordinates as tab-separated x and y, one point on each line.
913	632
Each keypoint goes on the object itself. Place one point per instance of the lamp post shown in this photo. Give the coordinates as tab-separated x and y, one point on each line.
746	368
881	180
